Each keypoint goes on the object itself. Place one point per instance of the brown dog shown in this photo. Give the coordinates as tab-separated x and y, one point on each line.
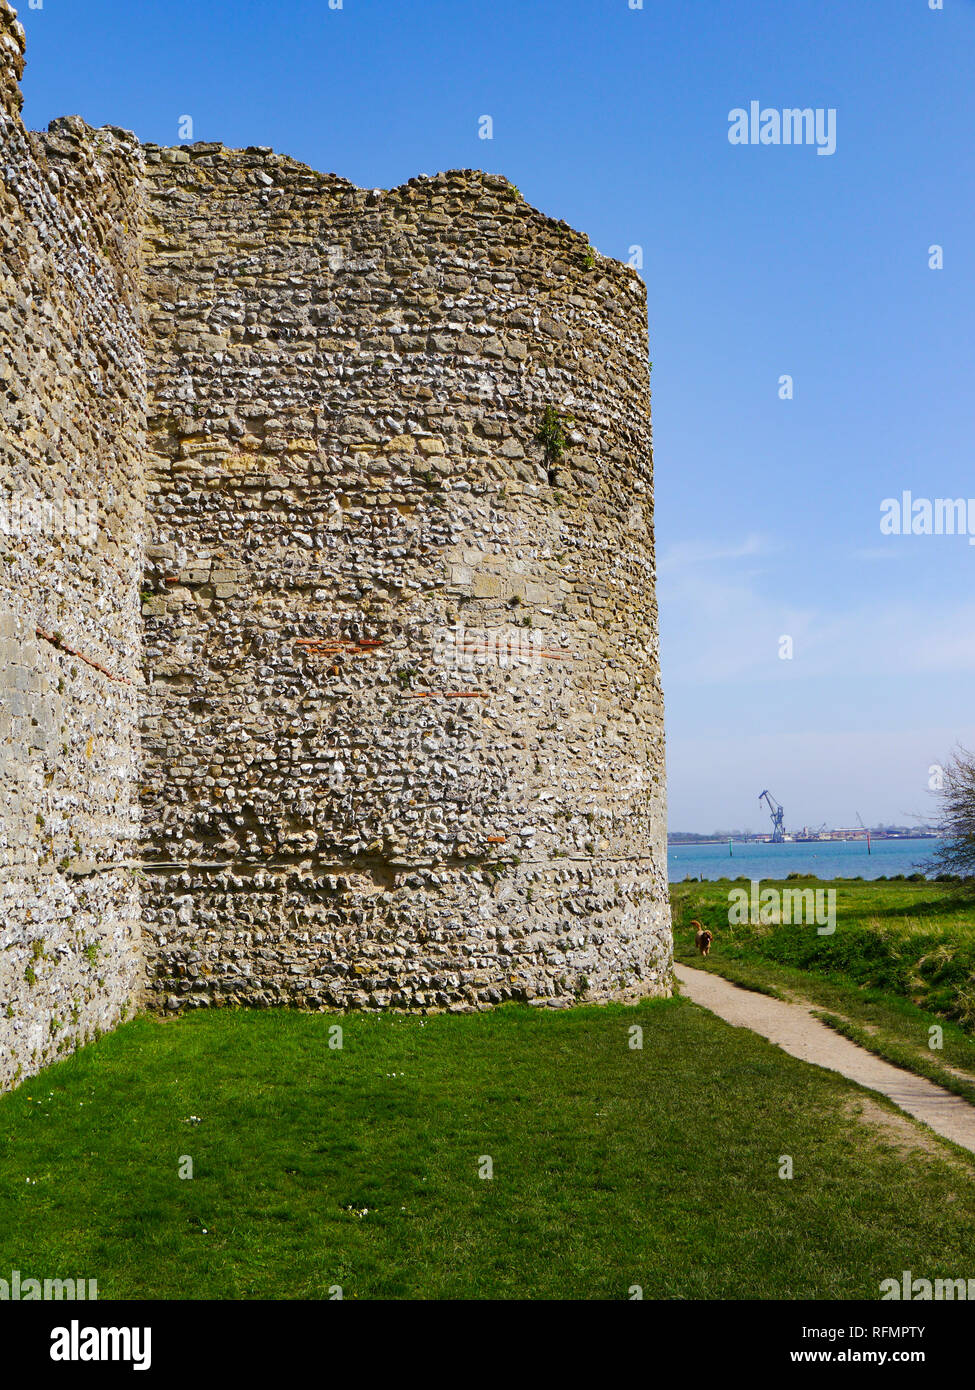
702	938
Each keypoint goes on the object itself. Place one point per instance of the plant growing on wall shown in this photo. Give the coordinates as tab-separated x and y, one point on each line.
552	433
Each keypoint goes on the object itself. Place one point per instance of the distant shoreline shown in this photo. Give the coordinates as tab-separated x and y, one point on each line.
846	857
827	840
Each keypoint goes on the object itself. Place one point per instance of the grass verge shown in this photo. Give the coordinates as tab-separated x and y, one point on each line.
613	1165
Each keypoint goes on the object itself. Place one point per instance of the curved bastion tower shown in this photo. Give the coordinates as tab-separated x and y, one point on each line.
347	692
404	734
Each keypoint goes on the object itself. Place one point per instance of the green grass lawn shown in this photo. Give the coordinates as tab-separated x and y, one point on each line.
902	958
612	1166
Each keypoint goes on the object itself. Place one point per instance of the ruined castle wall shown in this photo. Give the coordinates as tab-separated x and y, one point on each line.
402	720
71	513
349	502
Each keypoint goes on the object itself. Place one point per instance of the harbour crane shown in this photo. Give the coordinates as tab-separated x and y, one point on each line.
778	815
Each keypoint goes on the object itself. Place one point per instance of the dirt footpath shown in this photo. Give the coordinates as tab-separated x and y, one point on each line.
794	1028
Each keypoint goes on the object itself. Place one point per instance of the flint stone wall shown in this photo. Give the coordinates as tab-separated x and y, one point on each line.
395	663
72	421
346	389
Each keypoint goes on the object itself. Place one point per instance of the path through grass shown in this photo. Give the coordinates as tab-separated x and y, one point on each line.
900	962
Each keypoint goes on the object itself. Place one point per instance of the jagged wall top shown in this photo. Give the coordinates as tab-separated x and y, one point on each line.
13	44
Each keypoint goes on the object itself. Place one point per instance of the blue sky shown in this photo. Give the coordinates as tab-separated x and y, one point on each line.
760	261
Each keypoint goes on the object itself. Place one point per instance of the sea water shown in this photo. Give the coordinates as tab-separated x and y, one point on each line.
824	858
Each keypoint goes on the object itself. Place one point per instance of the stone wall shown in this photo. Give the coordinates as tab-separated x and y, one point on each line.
395	664
346	389
72	421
